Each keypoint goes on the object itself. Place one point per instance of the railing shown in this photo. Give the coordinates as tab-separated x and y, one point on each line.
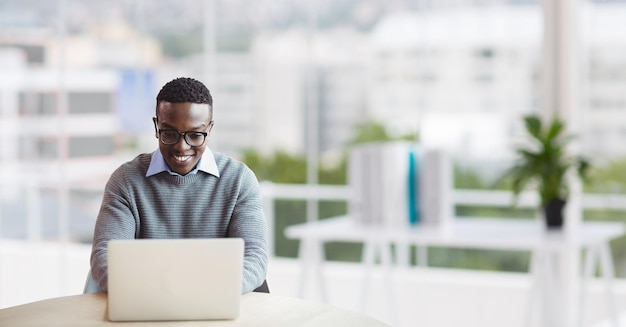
28	191
467	197
460	197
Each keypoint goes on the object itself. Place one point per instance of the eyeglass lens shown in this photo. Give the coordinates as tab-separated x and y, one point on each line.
170	137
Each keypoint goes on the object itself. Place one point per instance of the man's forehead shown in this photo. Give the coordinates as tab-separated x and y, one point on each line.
165	102
184	105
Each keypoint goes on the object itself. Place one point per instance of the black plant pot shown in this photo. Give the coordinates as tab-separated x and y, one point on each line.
553	212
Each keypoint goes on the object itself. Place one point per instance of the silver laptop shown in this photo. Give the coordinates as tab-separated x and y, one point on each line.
174	279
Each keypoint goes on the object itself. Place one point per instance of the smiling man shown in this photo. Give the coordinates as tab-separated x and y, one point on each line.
182	189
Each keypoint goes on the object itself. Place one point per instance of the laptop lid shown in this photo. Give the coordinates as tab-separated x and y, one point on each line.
174	279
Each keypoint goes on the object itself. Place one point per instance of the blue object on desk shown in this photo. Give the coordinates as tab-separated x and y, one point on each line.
413	188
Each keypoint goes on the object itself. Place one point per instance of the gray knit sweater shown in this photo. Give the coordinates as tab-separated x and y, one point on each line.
193	206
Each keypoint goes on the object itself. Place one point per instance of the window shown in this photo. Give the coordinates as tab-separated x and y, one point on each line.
37	103
91	146
90	102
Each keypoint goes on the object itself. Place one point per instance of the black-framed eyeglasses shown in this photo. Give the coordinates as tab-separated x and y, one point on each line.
171	136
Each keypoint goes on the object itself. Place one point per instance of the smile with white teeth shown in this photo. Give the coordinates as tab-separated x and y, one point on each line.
181	158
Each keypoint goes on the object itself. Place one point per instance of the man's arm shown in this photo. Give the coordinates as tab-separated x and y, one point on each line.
248	222
115	221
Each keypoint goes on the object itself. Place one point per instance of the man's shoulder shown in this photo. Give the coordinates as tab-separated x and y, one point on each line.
139	163
141	160
130	172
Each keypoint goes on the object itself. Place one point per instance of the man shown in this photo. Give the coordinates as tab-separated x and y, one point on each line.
182	189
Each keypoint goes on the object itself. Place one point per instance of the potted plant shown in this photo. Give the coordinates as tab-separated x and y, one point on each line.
545	163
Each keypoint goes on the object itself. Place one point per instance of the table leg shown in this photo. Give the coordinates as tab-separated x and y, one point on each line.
387	263
608	269
552	303
372	250
368	258
536	283
602	253
542	292
588	271
312	255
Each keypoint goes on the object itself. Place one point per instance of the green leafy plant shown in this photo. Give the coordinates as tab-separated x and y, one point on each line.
545	161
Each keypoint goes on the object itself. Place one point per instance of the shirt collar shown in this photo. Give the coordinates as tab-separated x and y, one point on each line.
206	164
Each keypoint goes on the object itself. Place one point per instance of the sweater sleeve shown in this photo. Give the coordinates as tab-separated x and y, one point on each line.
248	222
115	221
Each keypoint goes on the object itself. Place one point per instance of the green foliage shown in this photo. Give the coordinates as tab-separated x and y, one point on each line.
290	212
610	178
477	259
279	168
370	132
376	132
466	178
287	213
282	167
545	161
336	175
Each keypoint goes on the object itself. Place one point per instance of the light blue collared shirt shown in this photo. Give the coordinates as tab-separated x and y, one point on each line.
206	164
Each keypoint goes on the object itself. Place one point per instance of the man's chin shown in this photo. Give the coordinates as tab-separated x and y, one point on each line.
181	168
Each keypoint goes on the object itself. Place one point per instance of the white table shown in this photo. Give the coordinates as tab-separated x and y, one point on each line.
479	233
257	309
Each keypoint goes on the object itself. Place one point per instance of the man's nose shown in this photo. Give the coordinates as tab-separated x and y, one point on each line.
181	144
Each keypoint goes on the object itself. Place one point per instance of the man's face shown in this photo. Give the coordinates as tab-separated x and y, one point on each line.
182	117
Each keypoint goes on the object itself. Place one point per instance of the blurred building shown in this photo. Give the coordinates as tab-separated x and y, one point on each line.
412	73
441	70
329	65
67	106
460	78
53	140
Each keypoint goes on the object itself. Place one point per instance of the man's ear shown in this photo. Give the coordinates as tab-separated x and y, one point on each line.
155	120
211	123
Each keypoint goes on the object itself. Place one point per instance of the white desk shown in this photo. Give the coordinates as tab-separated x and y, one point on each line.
257	309
478	233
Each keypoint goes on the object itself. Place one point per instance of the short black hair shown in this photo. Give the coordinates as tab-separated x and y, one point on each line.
185	89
